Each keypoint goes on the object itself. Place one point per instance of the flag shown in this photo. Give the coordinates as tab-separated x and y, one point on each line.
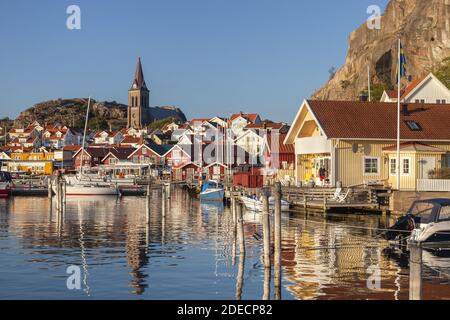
402	64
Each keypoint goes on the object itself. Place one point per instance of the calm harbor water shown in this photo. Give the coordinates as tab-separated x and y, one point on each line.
190	254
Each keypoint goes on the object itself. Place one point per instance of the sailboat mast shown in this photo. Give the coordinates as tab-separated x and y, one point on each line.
84	134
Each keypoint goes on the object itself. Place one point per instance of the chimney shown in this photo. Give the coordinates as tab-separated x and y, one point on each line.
363	97
405	110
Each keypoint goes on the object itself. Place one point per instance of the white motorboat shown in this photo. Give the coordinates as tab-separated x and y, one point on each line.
427	222
255	204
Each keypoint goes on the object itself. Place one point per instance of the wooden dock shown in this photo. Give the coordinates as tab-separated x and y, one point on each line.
358	199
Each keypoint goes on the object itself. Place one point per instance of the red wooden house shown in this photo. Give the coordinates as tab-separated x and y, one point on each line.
89	157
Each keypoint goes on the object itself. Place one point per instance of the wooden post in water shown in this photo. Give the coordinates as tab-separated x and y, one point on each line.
163	199
277	240
266	238
266	292
148	203
49	186
58	194
415	272
240	228
266	229
64	197
240	276
168	190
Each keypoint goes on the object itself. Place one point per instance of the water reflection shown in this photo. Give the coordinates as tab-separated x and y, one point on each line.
193	252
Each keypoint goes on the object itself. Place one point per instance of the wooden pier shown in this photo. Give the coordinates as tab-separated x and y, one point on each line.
323	199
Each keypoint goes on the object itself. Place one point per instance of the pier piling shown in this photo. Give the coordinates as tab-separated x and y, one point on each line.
415	269
240	276
276	192
240	229
148	203
163	203
266	229
49	187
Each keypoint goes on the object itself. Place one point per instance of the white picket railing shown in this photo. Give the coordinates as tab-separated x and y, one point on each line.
433	185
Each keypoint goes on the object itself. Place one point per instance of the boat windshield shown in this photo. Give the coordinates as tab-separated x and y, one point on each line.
444	215
423	211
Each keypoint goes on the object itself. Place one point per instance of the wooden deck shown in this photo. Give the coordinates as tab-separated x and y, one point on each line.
360	199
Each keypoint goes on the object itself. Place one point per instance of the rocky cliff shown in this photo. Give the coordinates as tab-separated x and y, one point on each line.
423	26
103	114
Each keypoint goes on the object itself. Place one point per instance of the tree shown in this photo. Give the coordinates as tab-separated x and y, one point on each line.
443	72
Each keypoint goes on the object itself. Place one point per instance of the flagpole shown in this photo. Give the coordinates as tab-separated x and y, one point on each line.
398	113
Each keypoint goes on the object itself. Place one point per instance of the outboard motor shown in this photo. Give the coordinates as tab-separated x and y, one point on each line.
403	227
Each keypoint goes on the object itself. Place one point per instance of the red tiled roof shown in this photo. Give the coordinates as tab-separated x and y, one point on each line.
249	116
377	120
71	148
268	125
122	153
415	146
131	140
393	94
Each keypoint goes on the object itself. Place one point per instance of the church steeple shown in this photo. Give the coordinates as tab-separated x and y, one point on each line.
138	100
138	82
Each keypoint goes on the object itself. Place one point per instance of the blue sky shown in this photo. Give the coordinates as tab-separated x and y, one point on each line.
208	57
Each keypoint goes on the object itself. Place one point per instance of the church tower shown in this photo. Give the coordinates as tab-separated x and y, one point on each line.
138	101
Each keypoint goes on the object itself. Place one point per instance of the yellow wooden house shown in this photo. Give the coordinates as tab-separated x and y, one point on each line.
32	162
354	143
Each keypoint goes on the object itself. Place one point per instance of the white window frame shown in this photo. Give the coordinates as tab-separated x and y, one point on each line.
364	166
403	166
392	173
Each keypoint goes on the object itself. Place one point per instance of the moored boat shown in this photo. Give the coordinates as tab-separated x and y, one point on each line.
5	185
212	191
426	222
79	187
254	204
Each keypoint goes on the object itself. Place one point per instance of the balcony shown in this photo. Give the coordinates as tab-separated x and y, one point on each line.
312	145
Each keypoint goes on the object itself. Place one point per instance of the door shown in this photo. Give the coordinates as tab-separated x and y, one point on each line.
426	164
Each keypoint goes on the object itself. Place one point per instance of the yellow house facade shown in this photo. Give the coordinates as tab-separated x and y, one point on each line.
32	162
354	143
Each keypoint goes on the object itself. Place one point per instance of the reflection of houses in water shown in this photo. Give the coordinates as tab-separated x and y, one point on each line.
323	260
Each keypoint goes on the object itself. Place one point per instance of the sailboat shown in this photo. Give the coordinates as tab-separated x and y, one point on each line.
78	186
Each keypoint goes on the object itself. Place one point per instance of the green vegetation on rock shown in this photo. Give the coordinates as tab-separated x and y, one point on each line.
443	72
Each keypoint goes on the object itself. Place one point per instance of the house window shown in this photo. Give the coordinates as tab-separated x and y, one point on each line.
393	166
371	166
413	125
420	100
406	166
441	101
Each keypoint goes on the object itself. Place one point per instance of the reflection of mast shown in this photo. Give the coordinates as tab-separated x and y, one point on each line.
83	256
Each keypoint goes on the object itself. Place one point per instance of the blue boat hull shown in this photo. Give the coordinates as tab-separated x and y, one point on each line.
212	195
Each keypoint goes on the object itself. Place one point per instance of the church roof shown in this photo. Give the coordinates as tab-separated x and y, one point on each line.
139	82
